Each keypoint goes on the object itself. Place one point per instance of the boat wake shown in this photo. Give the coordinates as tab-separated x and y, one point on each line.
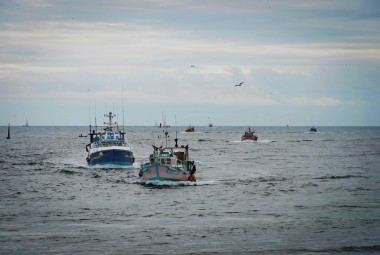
159	183
251	141
112	166
246	141
266	141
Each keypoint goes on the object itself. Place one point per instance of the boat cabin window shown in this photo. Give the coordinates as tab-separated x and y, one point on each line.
152	160
162	161
168	161
180	155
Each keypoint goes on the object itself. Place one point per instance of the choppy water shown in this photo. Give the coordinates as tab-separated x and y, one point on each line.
291	192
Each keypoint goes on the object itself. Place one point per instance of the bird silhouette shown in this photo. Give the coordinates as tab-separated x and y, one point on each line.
239	84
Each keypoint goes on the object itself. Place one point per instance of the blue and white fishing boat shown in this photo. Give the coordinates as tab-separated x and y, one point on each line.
109	147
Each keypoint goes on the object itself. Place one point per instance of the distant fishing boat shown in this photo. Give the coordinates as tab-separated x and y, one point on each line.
313	129
190	129
210	123
109	147
169	164
249	135
163	123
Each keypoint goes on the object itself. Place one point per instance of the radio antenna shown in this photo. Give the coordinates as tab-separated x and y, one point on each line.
122	102
96	124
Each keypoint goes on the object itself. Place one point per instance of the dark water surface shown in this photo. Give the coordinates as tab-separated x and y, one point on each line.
292	192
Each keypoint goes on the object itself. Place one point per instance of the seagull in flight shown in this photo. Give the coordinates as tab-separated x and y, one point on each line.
238	85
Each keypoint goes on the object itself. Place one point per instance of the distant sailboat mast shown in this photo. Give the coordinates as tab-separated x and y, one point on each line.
163	120
26	123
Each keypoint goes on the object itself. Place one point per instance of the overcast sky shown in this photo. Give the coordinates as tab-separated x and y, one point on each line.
302	62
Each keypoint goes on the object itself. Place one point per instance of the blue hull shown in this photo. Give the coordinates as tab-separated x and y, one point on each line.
111	157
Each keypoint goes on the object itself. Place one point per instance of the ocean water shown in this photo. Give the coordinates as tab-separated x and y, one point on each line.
291	192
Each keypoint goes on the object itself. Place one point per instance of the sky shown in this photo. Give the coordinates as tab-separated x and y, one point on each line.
303	63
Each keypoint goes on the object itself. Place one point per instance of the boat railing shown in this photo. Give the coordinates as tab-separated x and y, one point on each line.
166	158
108	144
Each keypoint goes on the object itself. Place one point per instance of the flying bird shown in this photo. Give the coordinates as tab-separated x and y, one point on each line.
192	66
239	84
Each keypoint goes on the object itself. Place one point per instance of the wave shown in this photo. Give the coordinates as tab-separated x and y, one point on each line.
343	249
204	140
69	172
248	181
332	177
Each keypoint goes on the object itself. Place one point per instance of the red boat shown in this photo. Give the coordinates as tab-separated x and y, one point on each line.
248	135
190	129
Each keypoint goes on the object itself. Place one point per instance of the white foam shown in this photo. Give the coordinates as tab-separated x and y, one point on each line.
177	183
112	166
265	141
245	141
251	141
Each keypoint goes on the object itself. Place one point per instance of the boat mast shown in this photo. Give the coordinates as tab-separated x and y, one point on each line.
96	124
89	107
122	103
166	138
176	132
110	124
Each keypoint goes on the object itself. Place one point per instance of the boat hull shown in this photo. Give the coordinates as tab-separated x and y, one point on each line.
249	138
111	157
164	173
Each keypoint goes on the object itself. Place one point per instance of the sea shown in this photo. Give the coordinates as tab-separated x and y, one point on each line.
290	192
